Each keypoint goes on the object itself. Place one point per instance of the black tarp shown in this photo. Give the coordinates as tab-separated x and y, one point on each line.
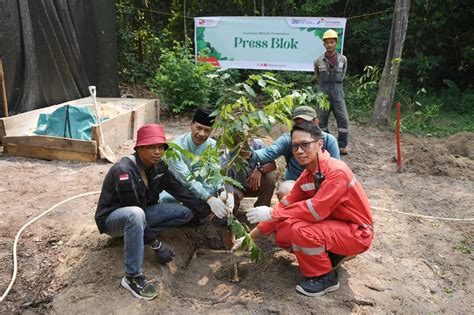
53	50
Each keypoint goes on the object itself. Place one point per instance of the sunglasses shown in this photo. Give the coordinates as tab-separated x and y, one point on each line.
304	145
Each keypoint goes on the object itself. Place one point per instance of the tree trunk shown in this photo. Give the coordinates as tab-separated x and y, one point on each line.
388	81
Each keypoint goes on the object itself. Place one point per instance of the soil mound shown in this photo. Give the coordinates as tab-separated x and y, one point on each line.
453	157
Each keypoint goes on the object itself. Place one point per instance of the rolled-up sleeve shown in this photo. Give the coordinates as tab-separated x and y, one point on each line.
272	152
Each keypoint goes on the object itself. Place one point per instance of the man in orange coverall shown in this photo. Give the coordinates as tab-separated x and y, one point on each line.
326	214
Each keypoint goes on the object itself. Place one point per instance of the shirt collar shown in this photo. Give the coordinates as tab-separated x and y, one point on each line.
323	159
140	164
191	144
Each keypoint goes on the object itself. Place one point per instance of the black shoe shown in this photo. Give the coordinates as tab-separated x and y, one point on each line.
337	260
140	287
163	254
319	285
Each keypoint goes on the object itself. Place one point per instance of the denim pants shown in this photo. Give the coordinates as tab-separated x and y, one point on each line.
130	222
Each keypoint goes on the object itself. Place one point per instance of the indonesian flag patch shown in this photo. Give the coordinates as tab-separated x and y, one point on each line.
123	177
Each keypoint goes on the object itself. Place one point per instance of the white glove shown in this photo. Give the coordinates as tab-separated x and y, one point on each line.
259	214
218	207
237	244
228	198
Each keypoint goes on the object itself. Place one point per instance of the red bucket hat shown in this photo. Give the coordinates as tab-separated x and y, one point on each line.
151	134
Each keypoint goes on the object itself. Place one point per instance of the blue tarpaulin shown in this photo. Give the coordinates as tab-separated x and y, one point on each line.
68	121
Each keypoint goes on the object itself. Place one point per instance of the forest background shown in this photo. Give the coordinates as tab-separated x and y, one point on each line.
435	84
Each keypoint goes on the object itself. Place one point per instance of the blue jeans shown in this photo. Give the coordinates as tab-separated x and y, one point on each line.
130	222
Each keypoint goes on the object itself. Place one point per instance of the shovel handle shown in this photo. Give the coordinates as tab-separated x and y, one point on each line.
4	90
93	91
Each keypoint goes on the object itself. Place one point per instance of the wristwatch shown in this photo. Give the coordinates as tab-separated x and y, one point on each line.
259	168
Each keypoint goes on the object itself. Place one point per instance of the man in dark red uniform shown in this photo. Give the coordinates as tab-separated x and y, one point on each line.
326	215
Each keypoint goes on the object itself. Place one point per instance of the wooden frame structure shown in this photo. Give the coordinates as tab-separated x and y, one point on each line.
17	140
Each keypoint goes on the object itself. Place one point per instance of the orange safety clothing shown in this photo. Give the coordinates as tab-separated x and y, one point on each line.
335	218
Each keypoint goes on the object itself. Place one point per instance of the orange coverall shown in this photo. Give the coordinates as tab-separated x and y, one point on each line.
336	218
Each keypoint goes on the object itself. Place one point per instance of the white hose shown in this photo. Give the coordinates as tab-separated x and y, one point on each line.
422	216
15	268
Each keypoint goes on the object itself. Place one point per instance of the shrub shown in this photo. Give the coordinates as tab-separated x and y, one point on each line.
361	92
181	83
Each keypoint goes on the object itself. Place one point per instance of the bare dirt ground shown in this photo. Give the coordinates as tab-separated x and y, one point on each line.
414	266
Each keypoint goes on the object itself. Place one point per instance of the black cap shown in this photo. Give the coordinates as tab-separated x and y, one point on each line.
202	116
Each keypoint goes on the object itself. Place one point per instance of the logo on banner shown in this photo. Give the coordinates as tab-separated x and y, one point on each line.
332	23
207	22
302	22
319	22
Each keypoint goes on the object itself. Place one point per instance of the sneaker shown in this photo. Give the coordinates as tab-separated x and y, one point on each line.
140	287
318	286
337	260
343	151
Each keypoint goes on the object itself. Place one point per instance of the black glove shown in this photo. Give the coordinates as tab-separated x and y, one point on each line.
163	254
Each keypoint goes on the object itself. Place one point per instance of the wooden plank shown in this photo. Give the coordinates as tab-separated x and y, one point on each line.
96	138
20	124
50	148
24	123
140	119
47	154
116	130
55	143
2	132
133	118
152	112
147	113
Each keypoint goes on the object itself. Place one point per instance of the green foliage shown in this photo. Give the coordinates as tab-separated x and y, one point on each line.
239	117
440	113
438	46
463	248
296	79
181	83
361	92
207	165
137	43
419	117
448	290
238	230
237	120
222	85
423	112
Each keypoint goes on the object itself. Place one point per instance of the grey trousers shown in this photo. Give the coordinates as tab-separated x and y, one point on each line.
342	120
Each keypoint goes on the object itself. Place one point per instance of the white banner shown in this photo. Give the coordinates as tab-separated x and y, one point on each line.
274	43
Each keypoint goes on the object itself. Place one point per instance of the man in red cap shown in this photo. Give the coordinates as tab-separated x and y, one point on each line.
129	206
